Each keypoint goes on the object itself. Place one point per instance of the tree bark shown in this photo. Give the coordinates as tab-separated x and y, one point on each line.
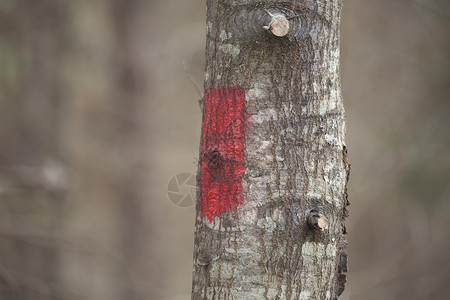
273	168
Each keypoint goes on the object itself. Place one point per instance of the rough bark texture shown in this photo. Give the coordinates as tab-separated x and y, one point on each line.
295	157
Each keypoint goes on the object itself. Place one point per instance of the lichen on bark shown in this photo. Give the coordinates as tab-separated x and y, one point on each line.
295	155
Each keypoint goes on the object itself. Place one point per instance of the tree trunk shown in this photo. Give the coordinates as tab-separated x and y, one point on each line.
273	169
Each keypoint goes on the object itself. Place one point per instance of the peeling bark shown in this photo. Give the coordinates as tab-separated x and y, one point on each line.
296	167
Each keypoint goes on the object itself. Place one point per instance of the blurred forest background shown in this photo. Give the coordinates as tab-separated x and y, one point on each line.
98	114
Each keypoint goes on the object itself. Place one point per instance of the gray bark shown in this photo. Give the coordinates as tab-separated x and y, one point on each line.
295	155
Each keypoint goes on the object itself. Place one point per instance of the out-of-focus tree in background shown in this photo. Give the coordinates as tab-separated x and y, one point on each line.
97	115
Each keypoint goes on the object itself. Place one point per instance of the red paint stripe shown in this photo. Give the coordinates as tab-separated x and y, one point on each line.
222	154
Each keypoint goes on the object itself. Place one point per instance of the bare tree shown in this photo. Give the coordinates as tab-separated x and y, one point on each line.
273	166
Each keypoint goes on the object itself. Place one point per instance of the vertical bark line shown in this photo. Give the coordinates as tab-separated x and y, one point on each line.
295	155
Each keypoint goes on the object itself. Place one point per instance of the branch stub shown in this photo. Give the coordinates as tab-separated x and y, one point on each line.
279	24
317	221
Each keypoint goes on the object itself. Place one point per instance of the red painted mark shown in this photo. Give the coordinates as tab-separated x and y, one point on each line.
222	155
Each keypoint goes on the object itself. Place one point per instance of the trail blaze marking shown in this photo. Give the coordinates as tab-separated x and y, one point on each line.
222	153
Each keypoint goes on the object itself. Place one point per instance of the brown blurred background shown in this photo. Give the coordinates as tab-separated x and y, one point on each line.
98	114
